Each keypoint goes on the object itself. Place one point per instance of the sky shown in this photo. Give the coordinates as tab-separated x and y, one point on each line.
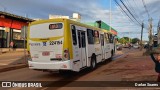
90	11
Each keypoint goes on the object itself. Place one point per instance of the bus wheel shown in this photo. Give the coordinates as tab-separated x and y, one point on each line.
93	62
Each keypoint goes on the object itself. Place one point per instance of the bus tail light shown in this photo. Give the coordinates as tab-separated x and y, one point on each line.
66	54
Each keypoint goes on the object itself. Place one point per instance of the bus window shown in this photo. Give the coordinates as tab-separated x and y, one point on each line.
90	36
96	36
79	39
102	40
106	38
83	39
110	38
74	35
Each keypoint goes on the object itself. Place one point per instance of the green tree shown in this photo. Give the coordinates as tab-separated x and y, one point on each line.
135	40
124	40
127	39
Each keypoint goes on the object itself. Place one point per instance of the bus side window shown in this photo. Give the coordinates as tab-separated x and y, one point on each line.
110	38
79	39
96	36
74	35
106	38
102	40
83	39
90	36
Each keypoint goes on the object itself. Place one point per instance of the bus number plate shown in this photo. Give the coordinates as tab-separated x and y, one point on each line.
45	53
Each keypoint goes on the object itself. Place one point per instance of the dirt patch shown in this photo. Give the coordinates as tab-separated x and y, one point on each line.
141	78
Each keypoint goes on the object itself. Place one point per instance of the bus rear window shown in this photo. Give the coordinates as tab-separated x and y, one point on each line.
55	26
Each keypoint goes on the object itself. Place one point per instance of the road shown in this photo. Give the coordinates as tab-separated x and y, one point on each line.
11	58
127	65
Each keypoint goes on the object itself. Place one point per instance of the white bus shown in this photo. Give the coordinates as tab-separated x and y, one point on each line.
63	44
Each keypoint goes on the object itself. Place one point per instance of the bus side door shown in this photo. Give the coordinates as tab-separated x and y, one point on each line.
82	47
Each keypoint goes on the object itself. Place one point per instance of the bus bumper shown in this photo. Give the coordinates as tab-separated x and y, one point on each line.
59	65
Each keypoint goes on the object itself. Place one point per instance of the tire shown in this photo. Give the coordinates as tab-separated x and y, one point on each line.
93	63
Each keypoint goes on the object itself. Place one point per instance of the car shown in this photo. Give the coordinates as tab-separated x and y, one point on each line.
146	46
136	46
119	47
125	46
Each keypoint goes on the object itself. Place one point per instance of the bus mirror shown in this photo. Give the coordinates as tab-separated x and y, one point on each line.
24	30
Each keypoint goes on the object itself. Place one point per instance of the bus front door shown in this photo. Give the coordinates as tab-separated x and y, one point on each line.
82	47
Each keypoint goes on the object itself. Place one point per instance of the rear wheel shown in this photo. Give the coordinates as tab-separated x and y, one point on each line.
93	62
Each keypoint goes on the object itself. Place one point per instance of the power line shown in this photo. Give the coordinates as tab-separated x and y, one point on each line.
125	12
145	8
132	9
130	12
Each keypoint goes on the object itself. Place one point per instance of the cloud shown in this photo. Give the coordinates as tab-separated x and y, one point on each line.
91	10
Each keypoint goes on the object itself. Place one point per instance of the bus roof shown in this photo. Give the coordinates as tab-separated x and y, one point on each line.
70	21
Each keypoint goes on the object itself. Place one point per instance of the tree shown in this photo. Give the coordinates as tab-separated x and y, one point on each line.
135	40
124	40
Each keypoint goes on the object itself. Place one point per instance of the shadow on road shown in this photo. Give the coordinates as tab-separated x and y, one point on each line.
69	76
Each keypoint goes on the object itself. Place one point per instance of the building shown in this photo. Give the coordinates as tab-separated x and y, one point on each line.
103	25
10	29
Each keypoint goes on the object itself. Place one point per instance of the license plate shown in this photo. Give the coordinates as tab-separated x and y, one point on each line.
45	53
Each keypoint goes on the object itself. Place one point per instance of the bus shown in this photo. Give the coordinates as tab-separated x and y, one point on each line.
64	44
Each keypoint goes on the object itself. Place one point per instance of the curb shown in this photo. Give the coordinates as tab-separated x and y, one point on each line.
14	67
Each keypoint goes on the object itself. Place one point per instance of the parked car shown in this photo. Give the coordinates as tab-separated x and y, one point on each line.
146	46
119	47
126	46
136	46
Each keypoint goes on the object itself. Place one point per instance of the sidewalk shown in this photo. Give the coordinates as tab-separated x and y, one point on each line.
4	50
11	60
134	67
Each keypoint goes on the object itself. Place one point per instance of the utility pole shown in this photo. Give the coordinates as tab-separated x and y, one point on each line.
142	36
150	34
